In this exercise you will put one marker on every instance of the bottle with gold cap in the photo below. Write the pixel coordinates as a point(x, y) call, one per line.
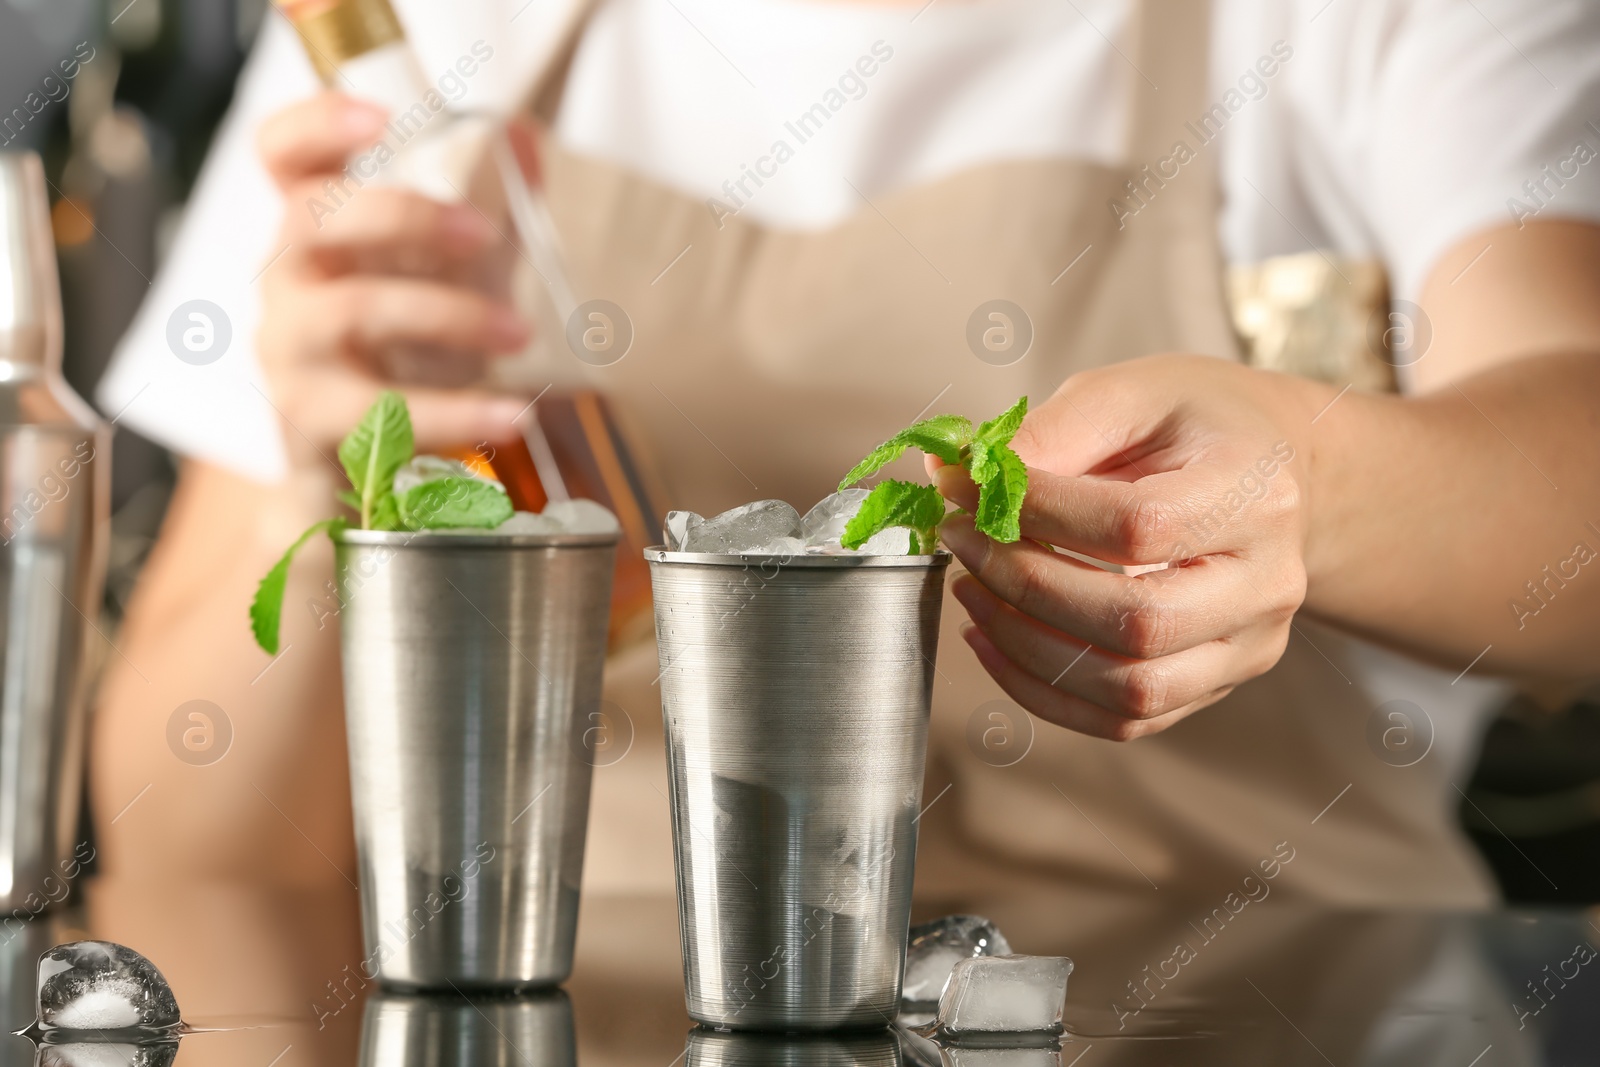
point(359, 47)
point(573, 443)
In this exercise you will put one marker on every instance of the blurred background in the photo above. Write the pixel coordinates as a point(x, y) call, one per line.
point(123, 140)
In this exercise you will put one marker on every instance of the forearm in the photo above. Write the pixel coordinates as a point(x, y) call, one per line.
point(1467, 519)
point(277, 797)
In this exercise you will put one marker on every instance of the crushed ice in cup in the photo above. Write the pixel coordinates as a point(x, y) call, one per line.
point(1005, 995)
point(676, 532)
point(773, 528)
point(580, 517)
point(421, 469)
point(934, 948)
point(747, 528)
point(100, 985)
point(824, 524)
point(522, 522)
point(895, 541)
point(560, 517)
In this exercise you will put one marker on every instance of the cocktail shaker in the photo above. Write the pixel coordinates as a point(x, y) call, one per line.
point(472, 664)
point(54, 527)
point(795, 695)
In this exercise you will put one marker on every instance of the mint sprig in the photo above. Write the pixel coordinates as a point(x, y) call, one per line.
point(1000, 474)
point(371, 454)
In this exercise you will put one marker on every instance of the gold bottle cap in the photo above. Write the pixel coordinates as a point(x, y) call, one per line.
point(336, 31)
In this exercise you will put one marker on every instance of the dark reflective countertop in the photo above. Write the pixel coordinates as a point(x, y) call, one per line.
point(1187, 982)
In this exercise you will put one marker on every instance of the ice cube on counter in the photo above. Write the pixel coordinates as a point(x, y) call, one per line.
point(989, 995)
point(99, 986)
point(823, 526)
point(106, 1054)
point(934, 948)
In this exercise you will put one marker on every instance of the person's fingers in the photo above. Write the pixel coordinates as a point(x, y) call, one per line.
point(1065, 709)
point(363, 315)
point(322, 403)
point(1144, 616)
point(1166, 517)
point(316, 136)
point(1133, 688)
point(389, 225)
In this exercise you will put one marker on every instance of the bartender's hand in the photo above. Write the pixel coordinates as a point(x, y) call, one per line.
point(1184, 461)
point(362, 272)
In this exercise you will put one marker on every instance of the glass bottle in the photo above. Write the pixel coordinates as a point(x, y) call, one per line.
point(569, 444)
point(54, 531)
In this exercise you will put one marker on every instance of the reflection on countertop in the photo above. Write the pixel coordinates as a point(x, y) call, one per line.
point(1179, 982)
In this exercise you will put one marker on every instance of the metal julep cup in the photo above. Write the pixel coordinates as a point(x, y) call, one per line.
point(472, 664)
point(795, 695)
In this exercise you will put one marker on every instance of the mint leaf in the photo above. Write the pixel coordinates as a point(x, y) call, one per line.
point(378, 446)
point(943, 436)
point(919, 508)
point(266, 610)
point(1003, 483)
point(1001, 429)
point(447, 502)
point(385, 514)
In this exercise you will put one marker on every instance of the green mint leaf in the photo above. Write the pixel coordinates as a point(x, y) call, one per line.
point(1000, 491)
point(266, 610)
point(943, 436)
point(385, 514)
point(379, 445)
point(453, 502)
point(1001, 429)
point(349, 498)
point(919, 508)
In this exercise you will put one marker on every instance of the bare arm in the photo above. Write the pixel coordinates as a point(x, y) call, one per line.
point(1467, 517)
point(1417, 521)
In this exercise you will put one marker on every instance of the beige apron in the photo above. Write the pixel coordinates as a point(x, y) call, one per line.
point(766, 362)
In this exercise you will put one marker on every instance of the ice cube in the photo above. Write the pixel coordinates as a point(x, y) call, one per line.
point(1005, 995)
point(581, 517)
point(934, 948)
point(100, 985)
point(895, 541)
point(824, 524)
point(743, 529)
point(523, 522)
point(107, 1054)
point(422, 469)
point(779, 546)
point(676, 532)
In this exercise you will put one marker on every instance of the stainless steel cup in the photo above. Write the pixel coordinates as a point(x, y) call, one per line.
point(471, 665)
point(54, 530)
point(712, 1048)
point(795, 696)
point(411, 1030)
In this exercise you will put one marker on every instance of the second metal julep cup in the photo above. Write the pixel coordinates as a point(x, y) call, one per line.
point(472, 667)
point(795, 695)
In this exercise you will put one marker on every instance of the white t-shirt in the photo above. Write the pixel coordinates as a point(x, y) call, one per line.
point(1394, 129)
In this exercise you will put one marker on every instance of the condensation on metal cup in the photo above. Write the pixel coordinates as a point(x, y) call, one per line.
point(471, 664)
point(421, 1030)
point(795, 695)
